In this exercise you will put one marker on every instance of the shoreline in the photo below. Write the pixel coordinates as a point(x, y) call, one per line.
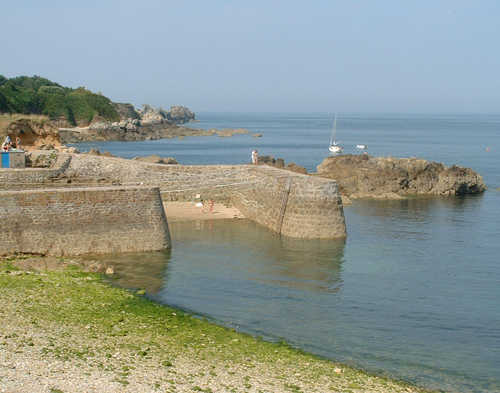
point(68, 331)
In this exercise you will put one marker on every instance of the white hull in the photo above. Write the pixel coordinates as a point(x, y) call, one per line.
point(336, 149)
point(361, 147)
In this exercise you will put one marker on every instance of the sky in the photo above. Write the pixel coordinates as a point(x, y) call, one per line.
point(384, 56)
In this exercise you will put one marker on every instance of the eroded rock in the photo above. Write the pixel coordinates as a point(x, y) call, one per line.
point(361, 176)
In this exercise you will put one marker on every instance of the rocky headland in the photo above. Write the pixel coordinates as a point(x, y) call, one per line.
point(146, 124)
point(361, 176)
point(42, 133)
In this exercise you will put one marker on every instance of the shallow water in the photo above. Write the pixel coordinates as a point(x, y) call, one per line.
point(414, 290)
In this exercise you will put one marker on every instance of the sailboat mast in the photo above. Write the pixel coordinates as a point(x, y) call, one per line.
point(334, 132)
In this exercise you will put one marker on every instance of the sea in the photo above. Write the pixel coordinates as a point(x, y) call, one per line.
point(412, 293)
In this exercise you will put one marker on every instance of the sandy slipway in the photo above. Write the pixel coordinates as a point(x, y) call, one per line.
point(67, 331)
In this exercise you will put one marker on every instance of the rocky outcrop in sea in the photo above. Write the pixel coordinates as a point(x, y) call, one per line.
point(360, 176)
point(147, 124)
point(177, 115)
point(280, 163)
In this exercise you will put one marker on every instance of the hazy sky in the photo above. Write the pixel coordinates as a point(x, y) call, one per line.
point(408, 56)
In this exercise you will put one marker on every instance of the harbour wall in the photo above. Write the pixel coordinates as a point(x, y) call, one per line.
point(73, 221)
point(289, 203)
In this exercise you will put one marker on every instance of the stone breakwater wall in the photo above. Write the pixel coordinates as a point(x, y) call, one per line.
point(291, 204)
point(89, 220)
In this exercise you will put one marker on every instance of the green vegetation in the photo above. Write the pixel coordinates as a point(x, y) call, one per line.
point(40, 96)
point(74, 317)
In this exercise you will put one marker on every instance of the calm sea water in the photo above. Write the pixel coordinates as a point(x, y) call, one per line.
point(412, 293)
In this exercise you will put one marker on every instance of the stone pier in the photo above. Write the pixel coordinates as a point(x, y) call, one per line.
point(292, 204)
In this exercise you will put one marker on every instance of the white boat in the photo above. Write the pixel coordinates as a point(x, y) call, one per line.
point(361, 147)
point(334, 148)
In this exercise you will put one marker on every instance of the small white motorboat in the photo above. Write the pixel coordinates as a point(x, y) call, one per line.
point(361, 147)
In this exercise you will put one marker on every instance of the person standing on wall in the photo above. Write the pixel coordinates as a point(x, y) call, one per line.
point(255, 157)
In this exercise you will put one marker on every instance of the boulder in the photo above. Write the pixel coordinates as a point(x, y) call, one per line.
point(271, 161)
point(150, 115)
point(126, 111)
point(388, 177)
point(296, 168)
point(180, 115)
point(170, 161)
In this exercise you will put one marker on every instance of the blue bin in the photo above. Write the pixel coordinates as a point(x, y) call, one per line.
point(5, 160)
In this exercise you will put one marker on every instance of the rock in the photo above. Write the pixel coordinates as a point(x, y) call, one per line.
point(94, 152)
point(150, 115)
point(170, 161)
point(180, 115)
point(131, 127)
point(110, 270)
point(345, 200)
point(150, 159)
point(225, 133)
point(360, 176)
point(296, 168)
point(269, 160)
point(238, 130)
point(126, 111)
point(156, 160)
point(257, 135)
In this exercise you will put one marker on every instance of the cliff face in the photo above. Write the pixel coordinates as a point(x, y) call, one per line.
point(34, 133)
point(361, 176)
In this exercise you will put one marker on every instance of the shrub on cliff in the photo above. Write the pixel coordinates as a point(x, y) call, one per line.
point(37, 95)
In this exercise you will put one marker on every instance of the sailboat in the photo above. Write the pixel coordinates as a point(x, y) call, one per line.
point(333, 143)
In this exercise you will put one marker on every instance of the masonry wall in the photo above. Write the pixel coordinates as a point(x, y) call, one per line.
point(294, 205)
point(15, 159)
point(313, 209)
point(83, 221)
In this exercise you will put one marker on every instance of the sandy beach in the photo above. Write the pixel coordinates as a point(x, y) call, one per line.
point(183, 211)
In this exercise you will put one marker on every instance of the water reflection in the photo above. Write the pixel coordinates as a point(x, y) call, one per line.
point(147, 270)
point(417, 209)
point(242, 274)
point(259, 254)
point(303, 264)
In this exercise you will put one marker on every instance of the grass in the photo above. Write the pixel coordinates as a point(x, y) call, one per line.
point(81, 320)
point(8, 119)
